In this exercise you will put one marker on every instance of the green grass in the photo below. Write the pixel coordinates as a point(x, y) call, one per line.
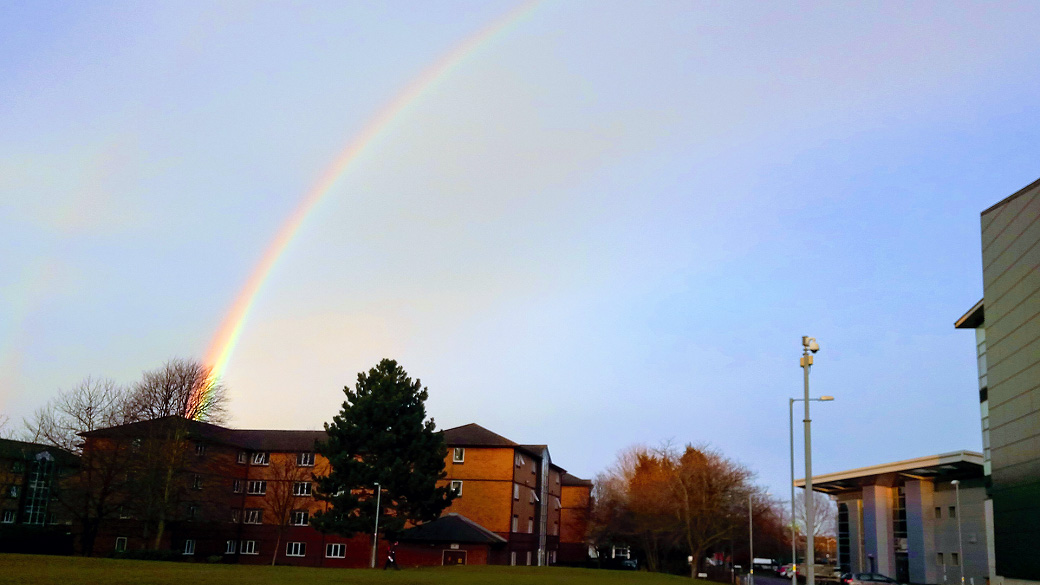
point(48, 570)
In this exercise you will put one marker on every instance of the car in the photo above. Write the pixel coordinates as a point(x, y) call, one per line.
point(787, 570)
point(867, 579)
point(630, 564)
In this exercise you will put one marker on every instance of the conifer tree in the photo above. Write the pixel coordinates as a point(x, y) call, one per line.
point(382, 436)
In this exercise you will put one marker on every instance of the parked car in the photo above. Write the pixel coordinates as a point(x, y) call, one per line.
point(867, 579)
point(784, 571)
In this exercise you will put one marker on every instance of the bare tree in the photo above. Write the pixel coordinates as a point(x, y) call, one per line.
point(98, 491)
point(179, 391)
point(183, 388)
point(5, 431)
point(825, 516)
point(281, 500)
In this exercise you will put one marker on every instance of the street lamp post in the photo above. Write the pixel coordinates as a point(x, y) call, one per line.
point(790, 427)
point(960, 543)
point(375, 534)
point(809, 347)
point(751, 540)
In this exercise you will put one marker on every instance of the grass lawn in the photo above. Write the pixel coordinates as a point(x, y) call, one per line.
point(49, 570)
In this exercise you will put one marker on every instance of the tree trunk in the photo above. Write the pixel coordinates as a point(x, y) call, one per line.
point(277, 547)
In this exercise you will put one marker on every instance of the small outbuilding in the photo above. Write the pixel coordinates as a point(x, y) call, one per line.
point(451, 539)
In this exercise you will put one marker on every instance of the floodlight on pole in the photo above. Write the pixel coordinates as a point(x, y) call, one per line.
point(809, 347)
point(794, 529)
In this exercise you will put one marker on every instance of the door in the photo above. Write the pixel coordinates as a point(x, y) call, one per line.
point(454, 557)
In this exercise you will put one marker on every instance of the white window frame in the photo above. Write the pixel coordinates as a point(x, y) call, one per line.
point(296, 549)
point(530, 525)
point(9, 516)
point(256, 487)
point(516, 491)
point(301, 488)
point(516, 523)
point(528, 558)
point(512, 558)
point(243, 457)
point(335, 547)
point(120, 540)
point(519, 460)
point(236, 486)
point(458, 455)
point(13, 491)
point(249, 547)
point(236, 515)
point(193, 512)
point(200, 448)
point(305, 459)
point(196, 482)
point(189, 547)
point(296, 515)
point(456, 486)
point(230, 547)
point(261, 458)
point(254, 516)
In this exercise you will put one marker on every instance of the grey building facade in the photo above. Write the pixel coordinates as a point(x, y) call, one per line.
point(902, 519)
point(1007, 331)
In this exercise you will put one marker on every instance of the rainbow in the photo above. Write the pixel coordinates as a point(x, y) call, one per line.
point(226, 338)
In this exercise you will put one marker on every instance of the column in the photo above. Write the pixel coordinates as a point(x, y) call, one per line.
point(877, 529)
point(920, 531)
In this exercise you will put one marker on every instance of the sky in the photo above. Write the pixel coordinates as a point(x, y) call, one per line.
point(604, 224)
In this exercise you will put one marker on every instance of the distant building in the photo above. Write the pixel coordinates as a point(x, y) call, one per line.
point(1007, 333)
point(31, 517)
point(901, 519)
point(229, 483)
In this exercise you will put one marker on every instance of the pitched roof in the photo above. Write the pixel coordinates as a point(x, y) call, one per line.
point(474, 435)
point(571, 480)
point(253, 439)
point(11, 449)
point(451, 528)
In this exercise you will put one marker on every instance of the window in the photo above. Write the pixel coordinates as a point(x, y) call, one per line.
point(295, 549)
point(534, 497)
point(254, 516)
point(938, 514)
point(243, 457)
point(193, 512)
point(135, 445)
point(516, 523)
point(301, 488)
point(258, 488)
point(556, 528)
point(456, 486)
point(18, 466)
point(261, 458)
point(200, 449)
point(8, 517)
point(953, 513)
point(299, 517)
point(512, 558)
point(955, 560)
point(458, 455)
point(519, 460)
point(236, 515)
point(335, 551)
point(305, 459)
point(13, 491)
point(120, 544)
point(196, 482)
point(229, 547)
point(249, 547)
point(528, 558)
point(530, 525)
point(189, 547)
point(516, 491)
point(938, 556)
point(236, 486)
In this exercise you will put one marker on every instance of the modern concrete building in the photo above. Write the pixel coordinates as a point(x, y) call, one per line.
point(902, 519)
point(1007, 335)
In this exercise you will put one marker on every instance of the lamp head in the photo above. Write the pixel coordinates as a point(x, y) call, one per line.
point(955, 482)
point(826, 398)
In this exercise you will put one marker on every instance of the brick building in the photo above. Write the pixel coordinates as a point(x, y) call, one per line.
point(246, 496)
point(31, 518)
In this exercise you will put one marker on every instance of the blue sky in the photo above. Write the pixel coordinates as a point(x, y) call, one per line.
point(610, 224)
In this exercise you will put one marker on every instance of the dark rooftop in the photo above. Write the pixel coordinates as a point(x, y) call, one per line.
point(451, 528)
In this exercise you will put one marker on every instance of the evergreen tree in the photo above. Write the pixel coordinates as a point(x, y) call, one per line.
point(382, 436)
